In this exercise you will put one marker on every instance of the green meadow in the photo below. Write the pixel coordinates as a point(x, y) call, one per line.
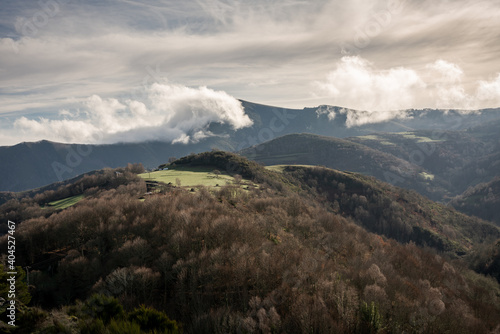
point(66, 202)
point(419, 139)
point(190, 176)
point(280, 168)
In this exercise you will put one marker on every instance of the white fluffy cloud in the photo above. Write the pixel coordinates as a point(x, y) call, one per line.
point(489, 91)
point(171, 112)
point(385, 94)
point(361, 117)
point(446, 89)
point(356, 84)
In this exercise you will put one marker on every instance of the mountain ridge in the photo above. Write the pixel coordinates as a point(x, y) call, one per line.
point(31, 165)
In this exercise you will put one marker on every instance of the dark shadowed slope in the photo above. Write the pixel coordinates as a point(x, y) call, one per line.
point(343, 154)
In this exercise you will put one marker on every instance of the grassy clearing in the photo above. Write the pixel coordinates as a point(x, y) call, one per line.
point(427, 176)
point(283, 158)
point(410, 135)
point(381, 140)
point(280, 168)
point(369, 137)
point(66, 202)
point(190, 177)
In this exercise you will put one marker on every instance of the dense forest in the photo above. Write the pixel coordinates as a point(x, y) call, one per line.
point(401, 214)
point(307, 250)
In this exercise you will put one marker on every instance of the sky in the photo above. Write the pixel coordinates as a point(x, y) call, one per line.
point(108, 71)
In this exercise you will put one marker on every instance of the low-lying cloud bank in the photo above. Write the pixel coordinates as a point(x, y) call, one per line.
point(382, 95)
point(170, 112)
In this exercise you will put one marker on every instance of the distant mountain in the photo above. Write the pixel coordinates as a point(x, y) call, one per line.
point(30, 165)
point(343, 155)
point(272, 122)
point(454, 160)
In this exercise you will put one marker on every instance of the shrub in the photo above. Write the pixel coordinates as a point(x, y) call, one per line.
point(93, 326)
point(124, 327)
point(370, 319)
point(103, 307)
point(30, 318)
point(150, 319)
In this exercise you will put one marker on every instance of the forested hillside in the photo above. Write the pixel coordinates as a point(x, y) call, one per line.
point(397, 213)
point(456, 159)
point(482, 201)
point(459, 167)
point(343, 154)
point(293, 254)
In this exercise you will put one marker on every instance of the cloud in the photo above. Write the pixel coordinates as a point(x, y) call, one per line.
point(450, 72)
point(355, 83)
point(56, 53)
point(381, 95)
point(104, 47)
point(329, 111)
point(489, 91)
point(447, 89)
point(361, 117)
point(171, 112)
